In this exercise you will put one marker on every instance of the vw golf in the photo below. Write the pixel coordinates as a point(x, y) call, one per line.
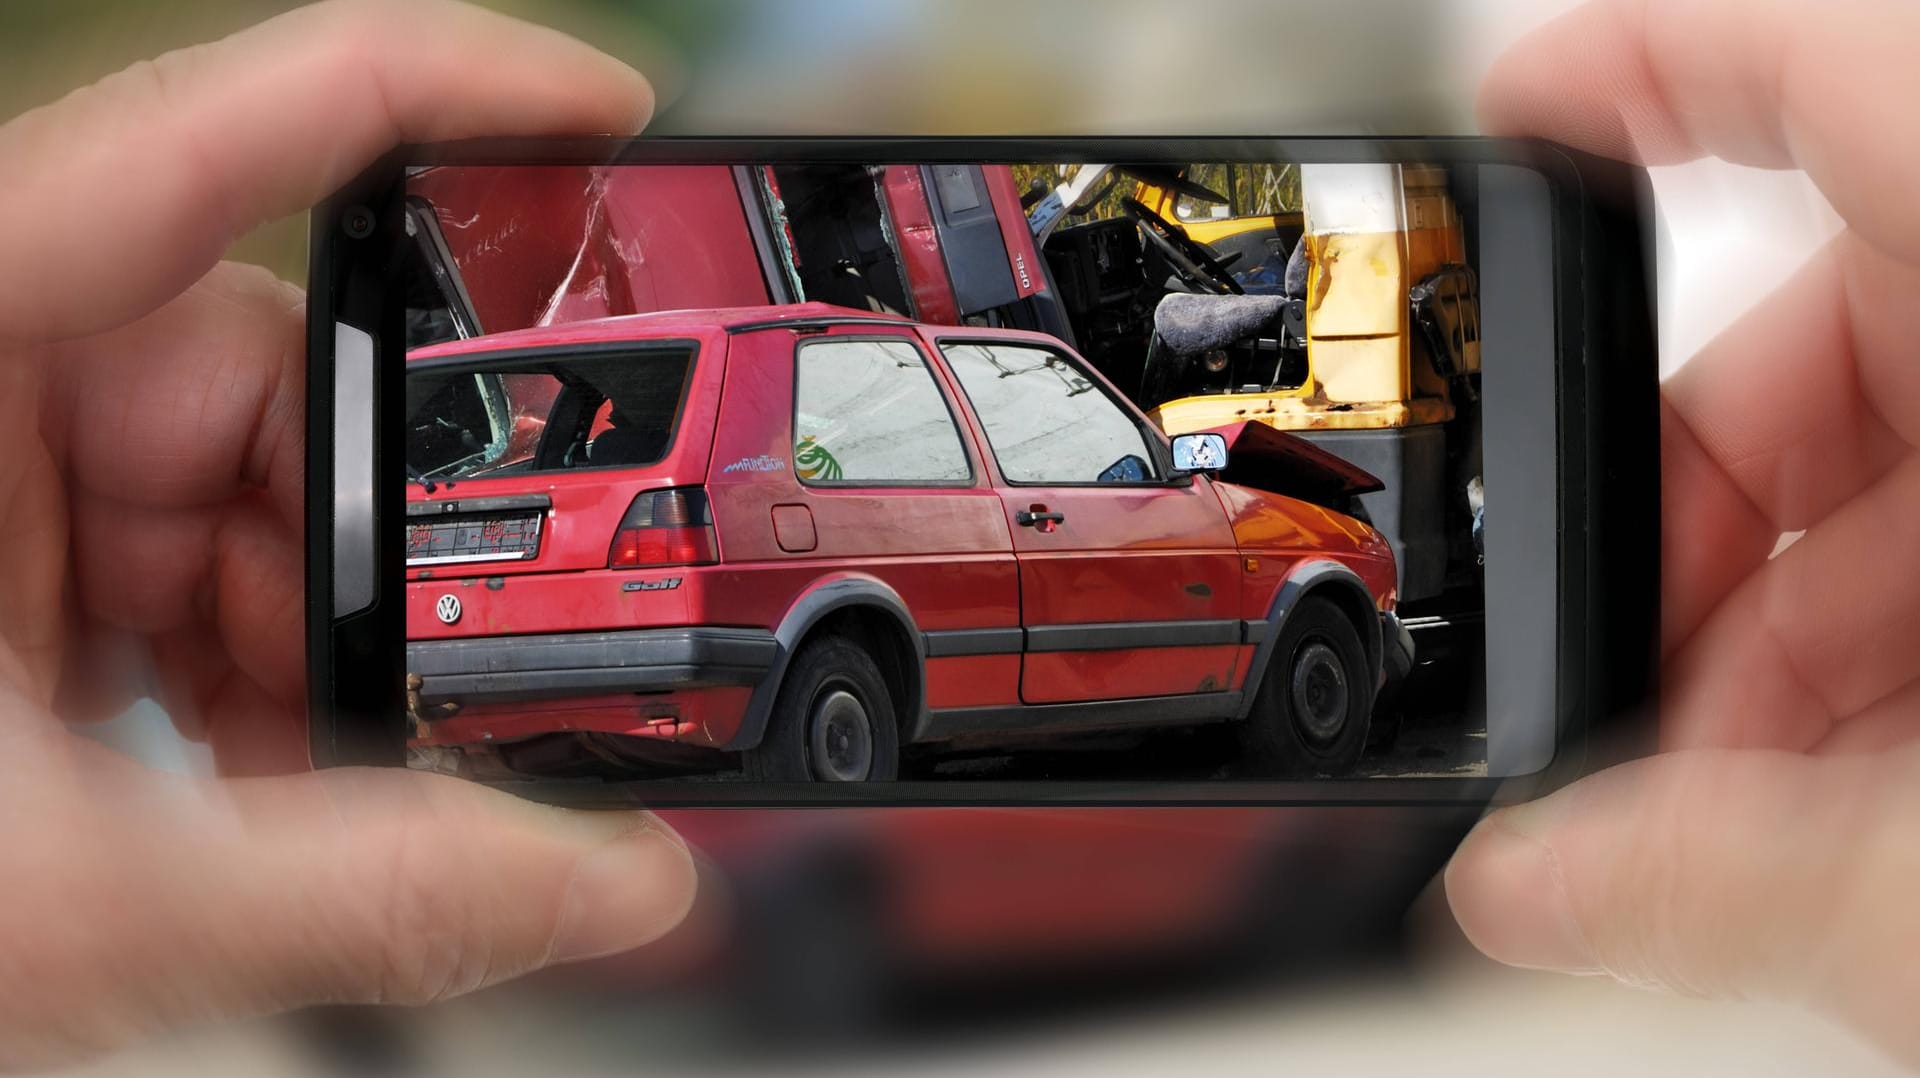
point(804, 540)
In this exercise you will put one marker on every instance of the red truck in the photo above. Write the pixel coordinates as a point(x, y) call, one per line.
point(503, 248)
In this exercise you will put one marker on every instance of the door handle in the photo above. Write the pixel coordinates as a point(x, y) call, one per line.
point(1039, 517)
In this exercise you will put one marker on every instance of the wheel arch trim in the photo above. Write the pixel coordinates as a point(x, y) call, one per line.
point(1318, 576)
point(825, 598)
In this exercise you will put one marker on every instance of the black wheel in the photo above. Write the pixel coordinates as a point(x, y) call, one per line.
point(1316, 702)
point(832, 722)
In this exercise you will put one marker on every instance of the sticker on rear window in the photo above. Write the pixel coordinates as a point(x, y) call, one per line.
point(812, 461)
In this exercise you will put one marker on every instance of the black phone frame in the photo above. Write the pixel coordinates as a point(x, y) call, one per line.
point(1607, 461)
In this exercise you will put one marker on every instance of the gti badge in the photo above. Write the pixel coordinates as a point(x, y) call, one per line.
point(448, 608)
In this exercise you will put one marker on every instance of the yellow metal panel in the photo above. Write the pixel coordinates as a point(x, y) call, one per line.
point(1358, 287)
point(1292, 413)
point(1357, 370)
point(1212, 230)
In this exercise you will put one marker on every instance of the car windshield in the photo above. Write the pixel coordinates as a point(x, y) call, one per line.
point(546, 412)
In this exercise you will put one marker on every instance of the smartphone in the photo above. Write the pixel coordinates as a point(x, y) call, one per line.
point(1193, 471)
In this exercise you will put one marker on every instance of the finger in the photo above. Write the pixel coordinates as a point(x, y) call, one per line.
point(1724, 874)
point(1784, 417)
point(168, 430)
point(1889, 723)
point(253, 732)
point(1819, 635)
point(123, 193)
point(1759, 82)
point(210, 698)
point(344, 887)
point(191, 404)
point(233, 574)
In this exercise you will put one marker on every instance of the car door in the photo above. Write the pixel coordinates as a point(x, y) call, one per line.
point(1129, 582)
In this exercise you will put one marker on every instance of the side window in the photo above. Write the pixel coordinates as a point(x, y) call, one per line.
point(456, 422)
point(1046, 420)
point(1251, 191)
point(870, 412)
point(1216, 178)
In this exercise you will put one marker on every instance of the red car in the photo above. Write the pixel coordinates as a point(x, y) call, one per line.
point(814, 537)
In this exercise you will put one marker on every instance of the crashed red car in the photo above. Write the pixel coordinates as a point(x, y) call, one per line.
point(816, 537)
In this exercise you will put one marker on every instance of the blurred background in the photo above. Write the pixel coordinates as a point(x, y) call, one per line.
point(1070, 942)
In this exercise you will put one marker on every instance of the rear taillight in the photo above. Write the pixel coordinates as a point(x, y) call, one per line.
point(665, 527)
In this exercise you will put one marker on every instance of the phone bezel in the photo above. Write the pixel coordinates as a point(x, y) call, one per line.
point(1606, 454)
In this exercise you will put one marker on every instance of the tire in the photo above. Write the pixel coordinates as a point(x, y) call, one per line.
point(1315, 703)
point(833, 720)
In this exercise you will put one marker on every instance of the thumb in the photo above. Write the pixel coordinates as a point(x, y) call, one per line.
point(1738, 874)
point(401, 887)
point(185, 902)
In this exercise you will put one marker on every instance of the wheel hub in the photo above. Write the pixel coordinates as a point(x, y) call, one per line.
point(1318, 691)
point(839, 738)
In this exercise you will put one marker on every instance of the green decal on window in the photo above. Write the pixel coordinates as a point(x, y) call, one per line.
point(812, 461)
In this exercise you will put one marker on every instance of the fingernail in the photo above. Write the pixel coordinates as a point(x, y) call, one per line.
point(1510, 896)
point(628, 891)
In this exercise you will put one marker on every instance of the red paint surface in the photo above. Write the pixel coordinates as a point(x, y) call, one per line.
point(1022, 258)
point(544, 244)
point(918, 241)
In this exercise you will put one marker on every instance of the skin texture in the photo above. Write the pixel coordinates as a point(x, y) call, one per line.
point(1773, 850)
point(151, 444)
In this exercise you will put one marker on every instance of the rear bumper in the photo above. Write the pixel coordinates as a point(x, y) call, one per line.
point(503, 669)
point(1396, 652)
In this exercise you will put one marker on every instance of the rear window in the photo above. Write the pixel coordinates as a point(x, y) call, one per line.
point(545, 412)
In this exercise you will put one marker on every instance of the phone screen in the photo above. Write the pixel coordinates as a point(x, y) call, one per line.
point(1008, 473)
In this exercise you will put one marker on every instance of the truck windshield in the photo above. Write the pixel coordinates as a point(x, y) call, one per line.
point(492, 417)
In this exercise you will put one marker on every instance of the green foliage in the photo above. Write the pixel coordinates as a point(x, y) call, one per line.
point(1251, 189)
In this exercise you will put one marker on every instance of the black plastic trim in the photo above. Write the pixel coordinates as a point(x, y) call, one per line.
point(901, 324)
point(801, 617)
point(1400, 653)
point(500, 669)
point(952, 643)
point(1125, 635)
point(504, 503)
point(948, 724)
point(1310, 577)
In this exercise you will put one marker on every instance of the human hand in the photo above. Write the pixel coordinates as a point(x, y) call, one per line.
point(1773, 850)
point(151, 456)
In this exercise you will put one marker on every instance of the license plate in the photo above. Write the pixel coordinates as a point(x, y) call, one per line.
point(511, 537)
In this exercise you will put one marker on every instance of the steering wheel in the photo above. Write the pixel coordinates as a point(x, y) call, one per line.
point(1191, 261)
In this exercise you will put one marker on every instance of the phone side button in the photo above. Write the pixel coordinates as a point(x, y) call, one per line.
point(354, 557)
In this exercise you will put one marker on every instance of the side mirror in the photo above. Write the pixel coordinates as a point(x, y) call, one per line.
point(1199, 453)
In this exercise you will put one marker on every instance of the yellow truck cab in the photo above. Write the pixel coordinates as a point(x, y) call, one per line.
point(1376, 355)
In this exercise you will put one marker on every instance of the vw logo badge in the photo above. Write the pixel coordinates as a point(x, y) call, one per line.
point(448, 608)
